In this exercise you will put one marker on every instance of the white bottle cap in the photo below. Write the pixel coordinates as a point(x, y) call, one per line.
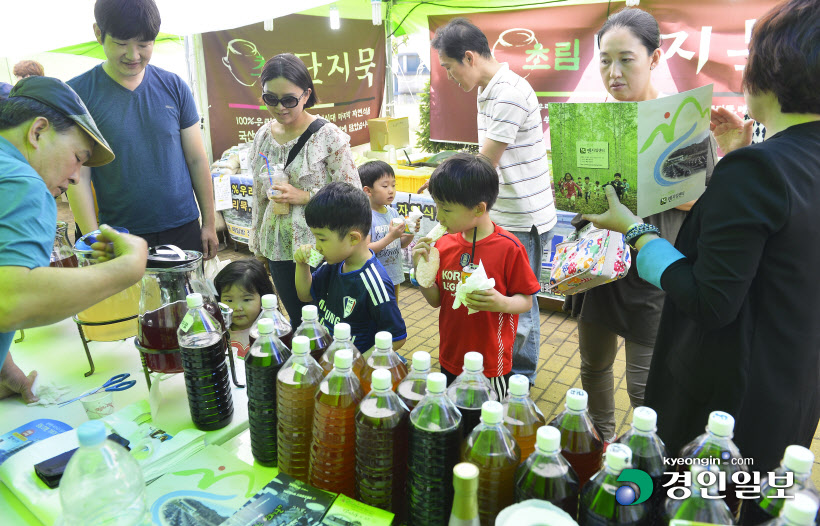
point(800, 510)
point(465, 471)
point(194, 300)
point(721, 423)
point(618, 457)
point(576, 399)
point(265, 326)
point(798, 459)
point(341, 331)
point(548, 439)
point(645, 419)
point(492, 412)
point(384, 340)
point(473, 361)
point(301, 345)
point(343, 359)
point(421, 360)
point(436, 382)
point(381, 380)
point(270, 301)
point(310, 312)
point(519, 385)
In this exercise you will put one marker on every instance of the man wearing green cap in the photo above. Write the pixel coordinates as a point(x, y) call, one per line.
point(46, 135)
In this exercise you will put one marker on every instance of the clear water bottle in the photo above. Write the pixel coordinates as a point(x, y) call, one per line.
point(465, 498)
point(281, 325)
point(767, 506)
point(381, 446)
point(314, 330)
point(599, 506)
point(800, 511)
point(342, 340)
point(414, 386)
point(580, 443)
point(207, 383)
point(470, 390)
point(521, 416)
point(716, 443)
point(492, 448)
point(648, 452)
point(546, 474)
point(382, 356)
point(703, 503)
point(102, 483)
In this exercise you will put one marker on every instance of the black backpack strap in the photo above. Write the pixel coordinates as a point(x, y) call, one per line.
point(303, 139)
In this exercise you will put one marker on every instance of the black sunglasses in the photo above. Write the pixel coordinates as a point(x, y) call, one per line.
point(288, 101)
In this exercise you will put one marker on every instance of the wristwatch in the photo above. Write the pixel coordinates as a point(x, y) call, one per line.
point(637, 230)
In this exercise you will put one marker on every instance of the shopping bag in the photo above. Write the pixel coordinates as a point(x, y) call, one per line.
point(597, 257)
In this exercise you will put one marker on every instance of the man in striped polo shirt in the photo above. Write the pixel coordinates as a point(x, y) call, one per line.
point(510, 134)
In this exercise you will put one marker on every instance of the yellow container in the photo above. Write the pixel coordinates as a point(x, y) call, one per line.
point(121, 305)
point(409, 178)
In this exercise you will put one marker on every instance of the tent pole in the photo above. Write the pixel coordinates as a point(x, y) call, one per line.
point(195, 58)
point(389, 103)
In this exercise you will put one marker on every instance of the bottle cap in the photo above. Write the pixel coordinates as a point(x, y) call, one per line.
point(381, 380)
point(548, 439)
point(341, 331)
point(576, 399)
point(465, 477)
point(194, 300)
point(421, 361)
point(270, 301)
point(644, 419)
point(798, 459)
point(474, 361)
point(436, 382)
point(301, 345)
point(492, 412)
point(519, 385)
point(93, 432)
point(342, 359)
point(309, 312)
point(384, 340)
point(800, 510)
point(265, 326)
point(618, 457)
point(721, 423)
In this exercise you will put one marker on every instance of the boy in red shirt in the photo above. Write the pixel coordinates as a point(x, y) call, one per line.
point(465, 187)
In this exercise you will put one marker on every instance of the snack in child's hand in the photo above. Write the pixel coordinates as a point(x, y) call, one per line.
point(315, 258)
point(436, 233)
point(396, 221)
point(426, 270)
point(414, 215)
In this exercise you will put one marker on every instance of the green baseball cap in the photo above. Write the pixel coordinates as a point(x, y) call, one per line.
point(59, 96)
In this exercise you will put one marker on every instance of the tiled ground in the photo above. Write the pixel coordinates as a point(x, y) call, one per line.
point(559, 361)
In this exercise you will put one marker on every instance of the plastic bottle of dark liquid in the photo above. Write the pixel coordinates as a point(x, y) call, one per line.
point(263, 362)
point(470, 390)
point(648, 452)
point(598, 505)
point(317, 334)
point(521, 416)
point(270, 311)
point(716, 443)
point(382, 356)
point(547, 475)
point(206, 369)
point(492, 448)
point(799, 511)
point(342, 340)
point(580, 443)
point(296, 386)
point(797, 460)
point(433, 451)
point(381, 446)
point(703, 503)
point(414, 386)
point(333, 448)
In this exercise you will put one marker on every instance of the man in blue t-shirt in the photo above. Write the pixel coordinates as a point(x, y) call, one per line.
point(149, 117)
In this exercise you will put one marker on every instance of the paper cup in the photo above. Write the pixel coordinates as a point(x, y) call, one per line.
point(467, 271)
point(315, 258)
point(99, 405)
point(396, 221)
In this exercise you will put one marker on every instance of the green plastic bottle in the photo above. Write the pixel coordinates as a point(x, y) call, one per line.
point(800, 511)
point(598, 505)
point(697, 507)
point(797, 460)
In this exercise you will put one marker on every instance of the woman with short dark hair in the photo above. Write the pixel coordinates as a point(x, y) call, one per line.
point(287, 90)
point(739, 329)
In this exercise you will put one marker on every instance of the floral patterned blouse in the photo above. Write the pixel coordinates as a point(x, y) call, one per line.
point(325, 158)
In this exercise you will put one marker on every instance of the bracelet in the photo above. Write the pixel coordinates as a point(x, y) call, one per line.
point(637, 230)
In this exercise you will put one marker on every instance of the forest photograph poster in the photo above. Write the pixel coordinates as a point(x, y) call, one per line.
point(655, 154)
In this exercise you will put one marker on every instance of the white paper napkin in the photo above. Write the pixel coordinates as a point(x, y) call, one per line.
point(478, 280)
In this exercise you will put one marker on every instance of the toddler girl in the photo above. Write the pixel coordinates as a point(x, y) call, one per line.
point(240, 286)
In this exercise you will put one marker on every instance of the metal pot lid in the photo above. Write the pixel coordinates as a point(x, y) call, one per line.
point(84, 243)
point(169, 256)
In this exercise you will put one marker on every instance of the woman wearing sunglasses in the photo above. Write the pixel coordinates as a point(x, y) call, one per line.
point(287, 91)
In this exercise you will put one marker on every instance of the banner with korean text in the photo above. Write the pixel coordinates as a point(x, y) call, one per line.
point(555, 49)
point(347, 67)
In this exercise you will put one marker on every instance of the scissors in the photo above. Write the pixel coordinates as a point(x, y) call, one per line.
point(115, 383)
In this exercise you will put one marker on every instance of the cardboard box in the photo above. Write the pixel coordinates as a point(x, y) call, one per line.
point(388, 130)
